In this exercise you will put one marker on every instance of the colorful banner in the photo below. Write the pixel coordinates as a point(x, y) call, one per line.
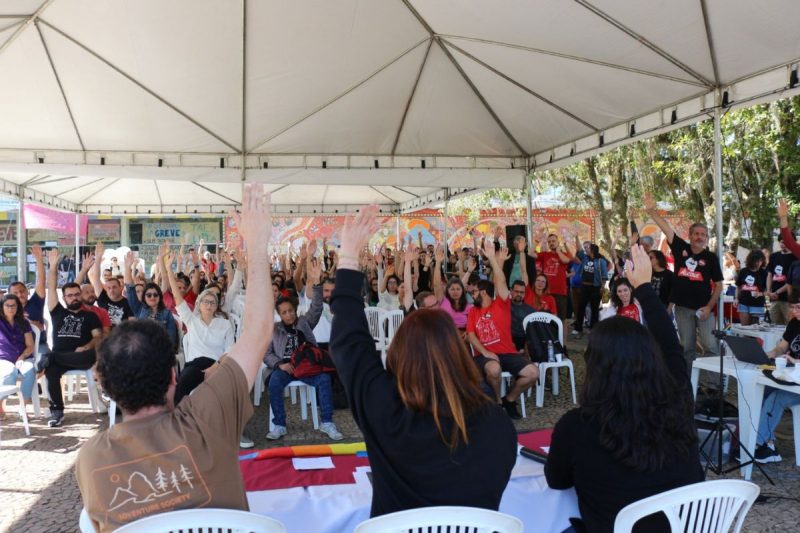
point(180, 232)
point(107, 231)
point(38, 217)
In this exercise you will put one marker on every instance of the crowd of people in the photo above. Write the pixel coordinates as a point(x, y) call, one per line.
point(436, 402)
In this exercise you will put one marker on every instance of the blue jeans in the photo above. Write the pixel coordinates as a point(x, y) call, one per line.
point(775, 402)
point(278, 380)
point(25, 373)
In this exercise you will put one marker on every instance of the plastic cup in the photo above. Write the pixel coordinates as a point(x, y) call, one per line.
point(558, 357)
point(780, 363)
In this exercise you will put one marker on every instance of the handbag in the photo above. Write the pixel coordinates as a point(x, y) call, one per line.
point(311, 360)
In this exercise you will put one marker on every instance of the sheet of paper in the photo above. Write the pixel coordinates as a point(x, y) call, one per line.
point(545, 449)
point(363, 479)
point(312, 463)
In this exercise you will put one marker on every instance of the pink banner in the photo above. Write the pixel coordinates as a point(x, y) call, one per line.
point(39, 217)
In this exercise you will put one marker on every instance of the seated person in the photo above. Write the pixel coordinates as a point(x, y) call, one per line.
point(209, 334)
point(432, 437)
point(16, 348)
point(613, 456)
point(489, 333)
point(776, 401)
point(540, 298)
point(109, 293)
point(622, 302)
point(164, 457)
point(290, 333)
point(519, 310)
point(75, 334)
point(150, 304)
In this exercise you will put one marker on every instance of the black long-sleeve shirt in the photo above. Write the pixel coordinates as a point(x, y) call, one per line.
point(412, 467)
point(604, 486)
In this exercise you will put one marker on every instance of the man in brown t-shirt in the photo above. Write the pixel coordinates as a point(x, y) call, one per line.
point(165, 458)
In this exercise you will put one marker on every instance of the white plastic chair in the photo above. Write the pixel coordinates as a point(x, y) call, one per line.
point(505, 383)
point(37, 407)
point(393, 320)
point(707, 507)
point(469, 519)
point(544, 367)
point(258, 386)
point(6, 391)
point(236, 322)
point(73, 382)
point(308, 395)
point(375, 321)
point(85, 523)
point(228, 520)
point(237, 307)
point(796, 426)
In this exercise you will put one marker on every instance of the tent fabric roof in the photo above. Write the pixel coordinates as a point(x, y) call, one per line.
point(108, 105)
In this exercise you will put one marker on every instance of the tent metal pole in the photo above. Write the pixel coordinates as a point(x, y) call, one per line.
point(445, 216)
point(77, 243)
point(528, 207)
point(22, 256)
point(718, 192)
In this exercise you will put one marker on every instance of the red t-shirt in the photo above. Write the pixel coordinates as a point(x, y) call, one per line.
point(547, 304)
point(102, 315)
point(169, 300)
point(630, 311)
point(556, 272)
point(492, 326)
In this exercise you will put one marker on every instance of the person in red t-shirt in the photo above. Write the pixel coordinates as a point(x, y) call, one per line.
point(539, 297)
point(489, 333)
point(553, 264)
point(623, 302)
point(88, 299)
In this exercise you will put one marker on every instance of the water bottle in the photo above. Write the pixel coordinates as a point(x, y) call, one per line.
point(551, 356)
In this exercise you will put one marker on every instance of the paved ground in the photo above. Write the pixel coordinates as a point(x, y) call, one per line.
point(39, 491)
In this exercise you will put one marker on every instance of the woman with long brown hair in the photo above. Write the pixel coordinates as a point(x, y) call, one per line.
point(433, 437)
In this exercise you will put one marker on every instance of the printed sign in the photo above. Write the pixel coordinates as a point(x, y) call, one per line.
point(180, 232)
point(104, 231)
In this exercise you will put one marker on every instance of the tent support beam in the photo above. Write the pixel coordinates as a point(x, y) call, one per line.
point(405, 191)
point(411, 97)
point(236, 202)
point(524, 88)
point(711, 51)
point(140, 85)
point(382, 194)
point(43, 181)
point(569, 57)
point(480, 97)
point(528, 205)
point(446, 217)
point(24, 24)
point(158, 193)
point(718, 192)
point(94, 193)
point(78, 245)
point(60, 86)
point(12, 25)
point(642, 40)
point(244, 90)
point(22, 256)
point(337, 97)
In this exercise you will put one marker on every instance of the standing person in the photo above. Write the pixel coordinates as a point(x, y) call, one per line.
point(614, 456)
point(165, 457)
point(553, 264)
point(777, 287)
point(210, 335)
point(698, 285)
point(489, 333)
point(751, 282)
point(76, 332)
point(425, 412)
point(593, 272)
point(16, 348)
point(662, 279)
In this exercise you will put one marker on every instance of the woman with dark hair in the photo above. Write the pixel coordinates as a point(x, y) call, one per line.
point(432, 436)
point(16, 346)
point(622, 302)
point(150, 304)
point(633, 435)
point(452, 299)
point(389, 297)
point(662, 277)
point(751, 282)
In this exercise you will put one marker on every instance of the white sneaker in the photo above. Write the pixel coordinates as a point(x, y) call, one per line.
point(329, 428)
point(246, 443)
point(276, 432)
point(574, 332)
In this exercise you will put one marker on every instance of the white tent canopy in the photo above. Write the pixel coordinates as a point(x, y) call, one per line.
point(115, 106)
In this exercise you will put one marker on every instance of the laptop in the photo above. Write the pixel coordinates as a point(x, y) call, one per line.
point(748, 350)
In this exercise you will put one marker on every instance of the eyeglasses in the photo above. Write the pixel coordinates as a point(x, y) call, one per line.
point(72, 295)
point(10, 306)
point(151, 295)
point(208, 302)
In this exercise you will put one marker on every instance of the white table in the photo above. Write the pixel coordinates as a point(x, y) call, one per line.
point(339, 508)
point(770, 336)
point(750, 397)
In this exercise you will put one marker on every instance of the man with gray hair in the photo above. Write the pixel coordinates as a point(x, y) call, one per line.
point(696, 267)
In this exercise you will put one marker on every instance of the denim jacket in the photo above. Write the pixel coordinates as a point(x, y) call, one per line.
point(600, 271)
point(163, 317)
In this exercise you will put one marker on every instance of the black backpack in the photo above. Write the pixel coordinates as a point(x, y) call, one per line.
point(537, 335)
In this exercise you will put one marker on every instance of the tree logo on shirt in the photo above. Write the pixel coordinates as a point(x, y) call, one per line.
point(152, 484)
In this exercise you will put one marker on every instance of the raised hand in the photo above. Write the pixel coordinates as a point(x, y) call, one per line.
point(315, 270)
point(642, 271)
point(501, 255)
point(52, 257)
point(356, 233)
point(88, 260)
point(130, 259)
point(649, 203)
point(783, 209)
point(439, 254)
point(36, 252)
point(99, 249)
point(488, 248)
point(254, 224)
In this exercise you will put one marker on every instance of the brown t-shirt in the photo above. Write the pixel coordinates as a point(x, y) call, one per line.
point(183, 459)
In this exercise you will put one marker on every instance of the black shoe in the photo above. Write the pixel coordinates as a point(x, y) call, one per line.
point(511, 409)
point(56, 418)
point(765, 454)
